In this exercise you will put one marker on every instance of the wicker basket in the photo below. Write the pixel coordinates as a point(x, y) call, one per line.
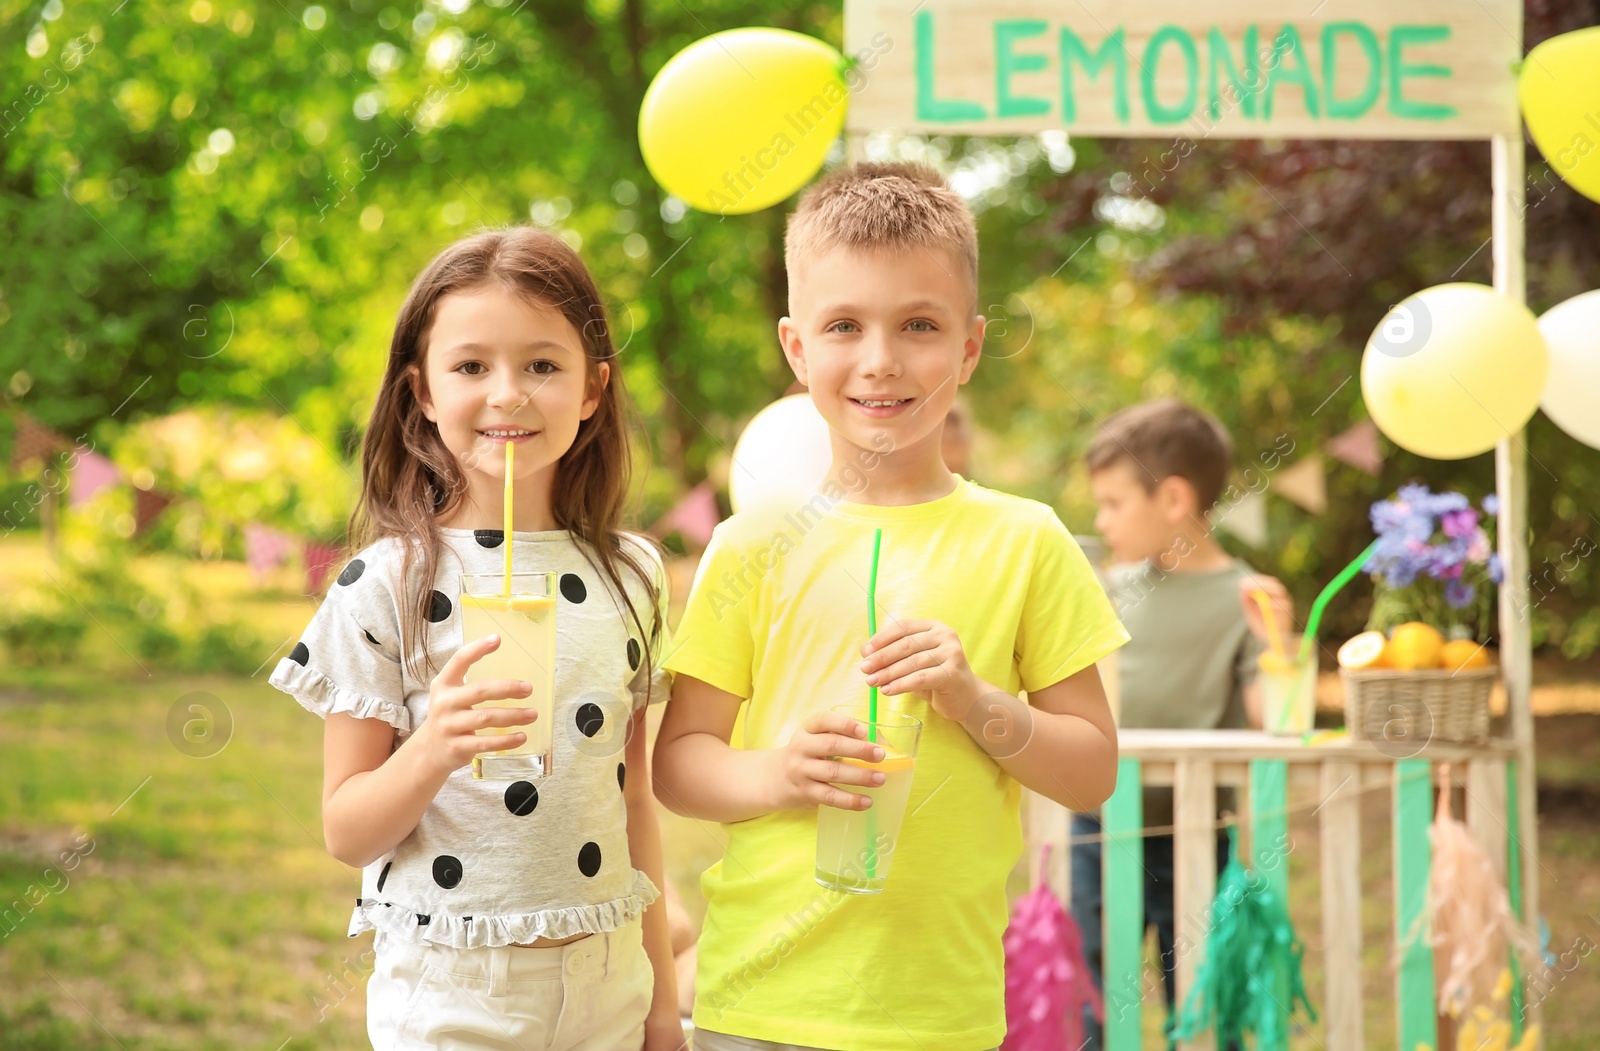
point(1426, 705)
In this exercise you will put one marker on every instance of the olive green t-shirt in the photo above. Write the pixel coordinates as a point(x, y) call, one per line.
point(1189, 658)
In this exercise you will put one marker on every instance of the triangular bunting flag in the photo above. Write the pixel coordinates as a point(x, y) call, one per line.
point(1305, 484)
point(694, 516)
point(92, 474)
point(1358, 447)
point(1246, 519)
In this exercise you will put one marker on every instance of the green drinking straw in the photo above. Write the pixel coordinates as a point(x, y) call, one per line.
point(1335, 586)
point(1314, 621)
point(872, 629)
point(872, 697)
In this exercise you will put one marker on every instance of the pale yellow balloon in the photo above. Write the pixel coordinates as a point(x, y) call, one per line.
point(1453, 370)
point(1560, 92)
point(740, 120)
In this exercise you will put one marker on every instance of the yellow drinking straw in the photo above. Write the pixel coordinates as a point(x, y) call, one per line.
point(1275, 640)
point(510, 448)
point(1265, 602)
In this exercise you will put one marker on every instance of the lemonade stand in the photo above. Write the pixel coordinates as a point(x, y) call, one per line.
point(1175, 74)
point(1455, 370)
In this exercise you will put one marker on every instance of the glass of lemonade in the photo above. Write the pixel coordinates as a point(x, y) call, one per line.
point(1288, 693)
point(525, 620)
point(854, 847)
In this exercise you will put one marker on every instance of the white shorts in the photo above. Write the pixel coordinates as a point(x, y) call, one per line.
point(589, 995)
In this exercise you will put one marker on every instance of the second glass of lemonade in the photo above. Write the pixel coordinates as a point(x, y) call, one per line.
point(1288, 694)
point(854, 847)
point(525, 620)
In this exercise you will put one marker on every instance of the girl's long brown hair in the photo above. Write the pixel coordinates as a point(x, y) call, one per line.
point(410, 480)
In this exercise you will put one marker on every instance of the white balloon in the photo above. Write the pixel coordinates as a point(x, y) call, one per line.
point(1572, 393)
point(782, 457)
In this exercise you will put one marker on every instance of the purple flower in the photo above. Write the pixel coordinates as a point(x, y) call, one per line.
point(1497, 569)
point(1491, 505)
point(1389, 516)
point(1459, 524)
point(1415, 495)
point(1458, 594)
point(1443, 561)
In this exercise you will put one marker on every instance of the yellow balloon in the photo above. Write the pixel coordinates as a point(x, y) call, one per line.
point(740, 120)
point(1452, 370)
point(1560, 91)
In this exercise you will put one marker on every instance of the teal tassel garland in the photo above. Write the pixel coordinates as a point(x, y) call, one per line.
point(1250, 979)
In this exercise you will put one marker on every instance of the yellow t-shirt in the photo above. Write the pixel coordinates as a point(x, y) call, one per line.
point(777, 615)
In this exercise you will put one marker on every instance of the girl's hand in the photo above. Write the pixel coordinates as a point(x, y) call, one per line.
point(664, 1033)
point(925, 655)
point(808, 767)
point(449, 734)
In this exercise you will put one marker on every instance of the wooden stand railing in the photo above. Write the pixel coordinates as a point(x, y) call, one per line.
point(1337, 774)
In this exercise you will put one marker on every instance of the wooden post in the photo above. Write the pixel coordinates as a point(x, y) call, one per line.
point(1340, 830)
point(1194, 853)
point(1486, 810)
point(1508, 170)
point(1122, 892)
point(1269, 858)
point(1413, 859)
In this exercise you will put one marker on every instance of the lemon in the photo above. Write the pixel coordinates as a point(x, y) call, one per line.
point(1366, 650)
point(1459, 654)
point(1414, 646)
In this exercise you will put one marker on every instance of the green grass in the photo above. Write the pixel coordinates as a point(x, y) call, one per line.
point(203, 911)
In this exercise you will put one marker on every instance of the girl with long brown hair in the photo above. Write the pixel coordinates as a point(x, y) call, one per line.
point(507, 913)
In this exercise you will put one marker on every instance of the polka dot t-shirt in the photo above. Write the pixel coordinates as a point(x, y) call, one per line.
point(496, 862)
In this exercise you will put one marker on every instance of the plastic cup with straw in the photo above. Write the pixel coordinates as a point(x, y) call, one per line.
point(1280, 656)
point(1319, 606)
point(521, 609)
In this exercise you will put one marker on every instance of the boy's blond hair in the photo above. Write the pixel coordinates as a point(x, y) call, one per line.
point(1165, 438)
point(897, 206)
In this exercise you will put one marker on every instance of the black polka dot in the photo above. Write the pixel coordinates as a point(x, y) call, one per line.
point(358, 901)
point(489, 537)
point(590, 718)
point(300, 654)
point(589, 859)
point(634, 653)
point(572, 588)
point(439, 607)
point(423, 919)
point(384, 875)
point(522, 797)
point(622, 775)
point(352, 572)
point(446, 871)
point(370, 637)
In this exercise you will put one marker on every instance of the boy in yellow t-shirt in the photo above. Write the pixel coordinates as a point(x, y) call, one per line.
point(980, 596)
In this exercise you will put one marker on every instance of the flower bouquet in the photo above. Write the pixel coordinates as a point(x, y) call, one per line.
point(1434, 562)
point(1419, 671)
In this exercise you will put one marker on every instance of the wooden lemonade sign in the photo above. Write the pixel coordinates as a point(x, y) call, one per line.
point(1374, 69)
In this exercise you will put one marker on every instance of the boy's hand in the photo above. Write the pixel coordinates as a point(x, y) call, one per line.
point(923, 655)
point(809, 768)
point(1278, 596)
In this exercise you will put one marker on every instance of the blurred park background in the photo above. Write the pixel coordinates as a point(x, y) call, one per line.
point(211, 211)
